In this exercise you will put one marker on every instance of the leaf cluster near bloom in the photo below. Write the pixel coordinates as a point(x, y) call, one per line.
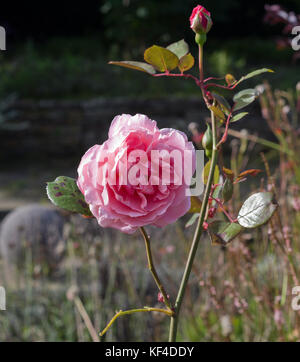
point(64, 193)
point(162, 59)
point(254, 212)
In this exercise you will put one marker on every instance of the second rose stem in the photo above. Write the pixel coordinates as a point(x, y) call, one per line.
point(196, 238)
point(153, 270)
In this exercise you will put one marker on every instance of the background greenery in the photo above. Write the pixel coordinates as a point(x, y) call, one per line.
point(61, 49)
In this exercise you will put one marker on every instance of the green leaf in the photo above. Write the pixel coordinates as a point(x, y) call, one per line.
point(228, 173)
point(141, 66)
point(244, 98)
point(195, 205)
point(179, 48)
point(217, 112)
point(227, 190)
point(222, 102)
point(205, 173)
point(186, 62)
point(257, 210)
point(192, 220)
point(161, 58)
point(64, 193)
point(217, 192)
point(255, 73)
point(222, 232)
point(252, 172)
point(238, 116)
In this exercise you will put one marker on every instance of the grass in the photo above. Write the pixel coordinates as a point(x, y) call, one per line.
point(233, 294)
point(239, 293)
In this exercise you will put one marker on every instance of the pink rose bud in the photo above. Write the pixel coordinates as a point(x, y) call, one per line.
point(211, 212)
point(205, 225)
point(200, 20)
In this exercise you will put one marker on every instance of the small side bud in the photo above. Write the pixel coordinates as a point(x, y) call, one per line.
point(212, 212)
point(205, 225)
point(160, 297)
point(207, 140)
point(230, 79)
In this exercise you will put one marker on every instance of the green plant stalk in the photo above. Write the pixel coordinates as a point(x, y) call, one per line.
point(132, 311)
point(196, 238)
point(169, 311)
point(153, 270)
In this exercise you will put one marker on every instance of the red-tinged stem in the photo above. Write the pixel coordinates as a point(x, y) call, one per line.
point(212, 78)
point(223, 209)
point(201, 76)
point(201, 63)
point(225, 135)
point(221, 86)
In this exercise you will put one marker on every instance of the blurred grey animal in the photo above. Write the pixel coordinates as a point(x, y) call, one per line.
point(35, 231)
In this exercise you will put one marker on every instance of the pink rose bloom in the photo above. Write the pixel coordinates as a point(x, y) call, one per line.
point(127, 200)
point(200, 20)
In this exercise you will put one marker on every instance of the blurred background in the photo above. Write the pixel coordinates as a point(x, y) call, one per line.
point(64, 276)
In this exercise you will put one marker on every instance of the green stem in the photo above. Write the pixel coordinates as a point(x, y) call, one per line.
point(196, 238)
point(131, 311)
point(153, 270)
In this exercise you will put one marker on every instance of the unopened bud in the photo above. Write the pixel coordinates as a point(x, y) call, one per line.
point(200, 20)
point(212, 212)
point(160, 297)
point(207, 140)
point(205, 225)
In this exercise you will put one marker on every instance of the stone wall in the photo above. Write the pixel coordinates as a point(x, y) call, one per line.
point(70, 127)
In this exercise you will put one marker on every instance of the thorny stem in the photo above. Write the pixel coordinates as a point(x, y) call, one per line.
point(196, 238)
point(153, 270)
point(131, 311)
point(223, 210)
point(221, 86)
point(212, 78)
point(225, 135)
point(201, 83)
